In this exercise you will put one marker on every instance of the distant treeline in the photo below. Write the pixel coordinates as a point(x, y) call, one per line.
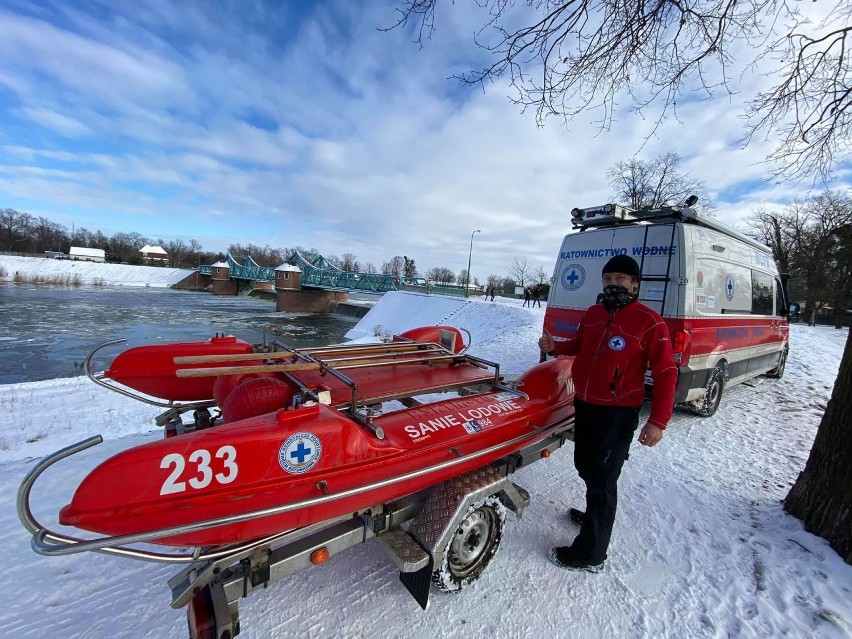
point(26, 234)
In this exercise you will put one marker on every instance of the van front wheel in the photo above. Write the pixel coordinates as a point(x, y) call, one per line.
point(706, 406)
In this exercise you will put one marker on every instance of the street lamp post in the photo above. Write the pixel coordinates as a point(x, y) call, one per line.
point(469, 257)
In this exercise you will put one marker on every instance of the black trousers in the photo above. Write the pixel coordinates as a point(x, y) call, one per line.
point(602, 437)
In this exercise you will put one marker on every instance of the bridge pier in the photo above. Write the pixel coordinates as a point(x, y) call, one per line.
point(222, 282)
point(308, 301)
point(290, 296)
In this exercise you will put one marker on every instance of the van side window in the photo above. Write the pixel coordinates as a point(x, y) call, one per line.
point(761, 293)
point(780, 306)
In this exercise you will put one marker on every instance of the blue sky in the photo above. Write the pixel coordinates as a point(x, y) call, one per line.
point(300, 123)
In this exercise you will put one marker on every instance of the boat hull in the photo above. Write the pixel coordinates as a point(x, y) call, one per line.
point(311, 463)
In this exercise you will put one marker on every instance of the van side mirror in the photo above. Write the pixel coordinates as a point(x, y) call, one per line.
point(793, 310)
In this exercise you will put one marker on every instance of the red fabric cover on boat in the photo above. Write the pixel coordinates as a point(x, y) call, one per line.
point(433, 335)
point(226, 383)
point(151, 369)
point(256, 397)
point(550, 381)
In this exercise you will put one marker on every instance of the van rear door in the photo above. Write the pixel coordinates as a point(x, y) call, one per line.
point(577, 275)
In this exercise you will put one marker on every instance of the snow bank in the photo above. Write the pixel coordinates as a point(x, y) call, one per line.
point(91, 272)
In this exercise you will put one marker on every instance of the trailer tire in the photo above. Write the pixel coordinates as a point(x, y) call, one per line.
point(778, 371)
point(471, 546)
point(707, 405)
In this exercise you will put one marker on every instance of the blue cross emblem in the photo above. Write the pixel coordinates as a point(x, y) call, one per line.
point(573, 277)
point(729, 287)
point(301, 452)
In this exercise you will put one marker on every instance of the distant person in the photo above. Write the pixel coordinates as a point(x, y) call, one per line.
point(526, 296)
point(537, 296)
point(492, 293)
point(615, 343)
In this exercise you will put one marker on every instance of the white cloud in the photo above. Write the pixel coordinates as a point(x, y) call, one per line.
point(283, 127)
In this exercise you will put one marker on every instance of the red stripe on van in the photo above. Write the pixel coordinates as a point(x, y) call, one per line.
point(704, 335)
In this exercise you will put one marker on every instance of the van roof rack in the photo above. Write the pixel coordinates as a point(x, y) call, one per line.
point(619, 215)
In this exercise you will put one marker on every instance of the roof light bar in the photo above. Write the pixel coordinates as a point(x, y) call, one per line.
point(603, 214)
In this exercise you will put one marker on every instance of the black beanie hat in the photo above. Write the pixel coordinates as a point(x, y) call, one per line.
point(622, 264)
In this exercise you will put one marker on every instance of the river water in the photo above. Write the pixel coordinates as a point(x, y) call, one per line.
point(46, 332)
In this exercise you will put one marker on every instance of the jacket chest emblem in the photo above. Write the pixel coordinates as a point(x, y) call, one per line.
point(617, 343)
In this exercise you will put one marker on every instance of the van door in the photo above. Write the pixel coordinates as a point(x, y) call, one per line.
point(577, 274)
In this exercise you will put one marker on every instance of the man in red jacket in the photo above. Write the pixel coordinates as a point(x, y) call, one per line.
point(616, 341)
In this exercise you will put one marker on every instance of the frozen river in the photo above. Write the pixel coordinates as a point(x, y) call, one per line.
point(46, 332)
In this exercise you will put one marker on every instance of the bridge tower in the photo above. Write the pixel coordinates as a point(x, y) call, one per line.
point(222, 282)
point(290, 296)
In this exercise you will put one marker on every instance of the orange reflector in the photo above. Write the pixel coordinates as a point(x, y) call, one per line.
point(319, 556)
point(545, 453)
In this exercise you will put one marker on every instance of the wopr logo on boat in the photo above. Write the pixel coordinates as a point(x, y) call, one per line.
point(300, 453)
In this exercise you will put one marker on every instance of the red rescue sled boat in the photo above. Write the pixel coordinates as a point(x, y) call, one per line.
point(305, 435)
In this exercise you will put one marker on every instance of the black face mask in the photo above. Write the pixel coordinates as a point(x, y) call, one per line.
point(615, 297)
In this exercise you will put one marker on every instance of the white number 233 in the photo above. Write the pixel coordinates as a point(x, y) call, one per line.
point(204, 474)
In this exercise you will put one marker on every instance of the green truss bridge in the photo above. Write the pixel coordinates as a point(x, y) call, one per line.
point(317, 272)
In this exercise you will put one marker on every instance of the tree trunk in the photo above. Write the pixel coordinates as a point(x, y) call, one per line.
point(822, 495)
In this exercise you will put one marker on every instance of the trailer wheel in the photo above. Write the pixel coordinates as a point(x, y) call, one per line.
point(472, 545)
point(706, 406)
point(778, 371)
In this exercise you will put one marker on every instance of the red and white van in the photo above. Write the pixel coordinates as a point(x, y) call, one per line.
point(719, 292)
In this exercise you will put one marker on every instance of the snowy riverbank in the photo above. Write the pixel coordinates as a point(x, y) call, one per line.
point(87, 273)
point(702, 546)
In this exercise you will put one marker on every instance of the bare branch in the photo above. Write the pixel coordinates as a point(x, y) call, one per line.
point(578, 56)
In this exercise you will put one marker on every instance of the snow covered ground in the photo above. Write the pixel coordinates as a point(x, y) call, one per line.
point(91, 272)
point(701, 548)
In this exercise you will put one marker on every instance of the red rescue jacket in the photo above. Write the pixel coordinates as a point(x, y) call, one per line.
point(613, 351)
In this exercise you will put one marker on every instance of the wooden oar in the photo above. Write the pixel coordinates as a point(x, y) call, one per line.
point(305, 366)
point(210, 359)
point(239, 370)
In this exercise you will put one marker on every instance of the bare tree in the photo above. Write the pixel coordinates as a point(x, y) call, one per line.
point(576, 56)
point(539, 275)
point(442, 275)
point(349, 263)
point(49, 235)
point(14, 229)
point(177, 250)
point(395, 266)
point(520, 270)
point(462, 276)
point(652, 183)
point(810, 240)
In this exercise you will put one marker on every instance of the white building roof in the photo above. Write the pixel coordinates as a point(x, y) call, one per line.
point(289, 267)
point(87, 252)
point(159, 250)
point(220, 264)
